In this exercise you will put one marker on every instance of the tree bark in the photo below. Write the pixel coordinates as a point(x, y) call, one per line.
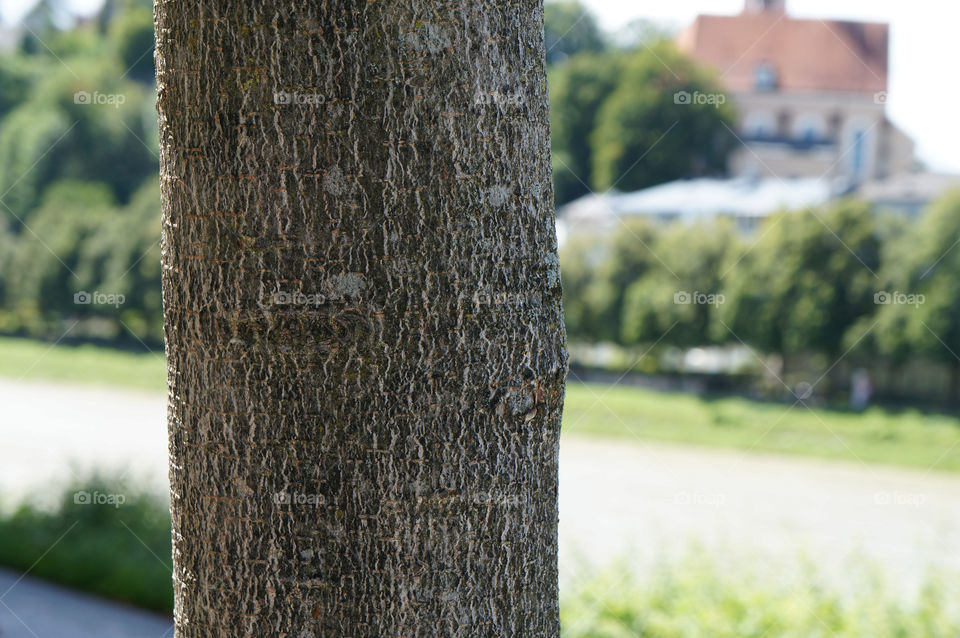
point(363, 327)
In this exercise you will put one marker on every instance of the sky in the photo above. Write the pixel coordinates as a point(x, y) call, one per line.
point(924, 89)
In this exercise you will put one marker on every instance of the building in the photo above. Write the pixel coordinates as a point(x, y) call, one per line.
point(908, 193)
point(746, 201)
point(811, 94)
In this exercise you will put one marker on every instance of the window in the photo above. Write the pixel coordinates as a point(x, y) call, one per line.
point(810, 127)
point(765, 78)
point(760, 125)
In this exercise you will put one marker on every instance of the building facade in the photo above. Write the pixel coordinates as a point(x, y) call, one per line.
point(811, 94)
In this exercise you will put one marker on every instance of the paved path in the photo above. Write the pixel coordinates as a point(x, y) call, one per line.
point(653, 500)
point(34, 609)
point(55, 431)
point(617, 497)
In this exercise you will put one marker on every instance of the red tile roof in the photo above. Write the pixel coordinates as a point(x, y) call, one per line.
point(808, 55)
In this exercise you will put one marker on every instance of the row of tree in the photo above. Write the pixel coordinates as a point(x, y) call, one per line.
point(79, 201)
point(827, 282)
point(79, 210)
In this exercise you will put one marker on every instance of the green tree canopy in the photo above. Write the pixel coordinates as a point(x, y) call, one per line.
point(570, 28)
point(806, 279)
point(919, 307)
point(666, 119)
point(678, 296)
point(578, 89)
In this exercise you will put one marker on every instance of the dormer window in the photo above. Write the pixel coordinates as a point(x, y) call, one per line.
point(765, 78)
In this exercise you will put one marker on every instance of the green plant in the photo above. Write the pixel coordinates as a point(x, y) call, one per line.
point(102, 534)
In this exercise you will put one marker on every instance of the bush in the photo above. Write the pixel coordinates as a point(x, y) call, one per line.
point(697, 597)
point(118, 551)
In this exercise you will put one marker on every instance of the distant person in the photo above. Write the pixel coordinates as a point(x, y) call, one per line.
point(860, 389)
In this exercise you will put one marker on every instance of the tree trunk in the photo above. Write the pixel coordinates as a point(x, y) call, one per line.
point(362, 302)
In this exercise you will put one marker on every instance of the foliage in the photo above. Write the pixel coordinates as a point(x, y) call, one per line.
point(133, 33)
point(570, 28)
point(666, 119)
point(79, 205)
point(807, 278)
point(676, 301)
point(121, 552)
point(601, 281)
point(697, 596)
point(578, 89)
point(921, 266)
point(619, 119)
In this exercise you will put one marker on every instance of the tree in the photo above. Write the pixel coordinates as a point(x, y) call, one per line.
point(578, 88)
point(808, 278)
point(362, 314)
point(598, 276)
point(918, 308)
point(675, 301)
point(667, 119)
point(570, 28)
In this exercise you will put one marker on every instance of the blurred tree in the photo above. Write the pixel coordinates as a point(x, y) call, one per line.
point(40, 23)
point(580, 262)
point(570, 28)
point(126, 255)
point(680, 293)
point(27, 136)
point(918, 309)
point(132, 33)
point(598, 278)
point(806, 280)
point(578, 89)
point(17, 72)
point(52, 261)
point(91, 128)
point(666, 119)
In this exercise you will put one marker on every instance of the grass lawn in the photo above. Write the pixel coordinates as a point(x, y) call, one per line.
point(38, 361)
point(907, 438)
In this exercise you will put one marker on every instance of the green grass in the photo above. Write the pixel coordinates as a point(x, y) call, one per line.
point(696, 597)
point(907, 438)
point(40, 361)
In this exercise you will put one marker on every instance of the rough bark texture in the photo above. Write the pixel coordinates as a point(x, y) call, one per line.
point(362, 300)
